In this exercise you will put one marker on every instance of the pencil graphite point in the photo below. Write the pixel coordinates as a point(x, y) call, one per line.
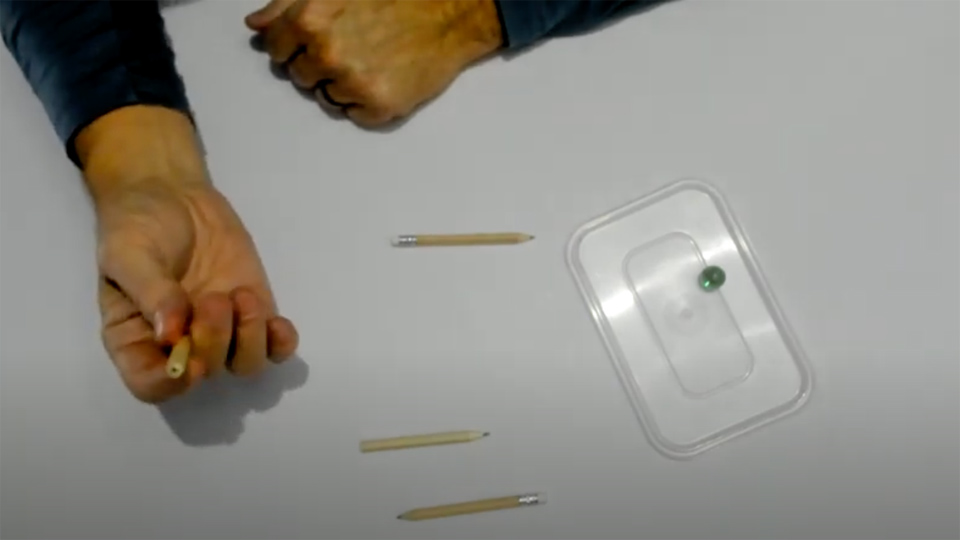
point(486, 433)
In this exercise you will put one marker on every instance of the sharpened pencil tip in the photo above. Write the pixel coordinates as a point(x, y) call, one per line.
point(486, 433)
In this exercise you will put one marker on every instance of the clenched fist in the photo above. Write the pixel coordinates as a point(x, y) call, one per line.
point(377, 60)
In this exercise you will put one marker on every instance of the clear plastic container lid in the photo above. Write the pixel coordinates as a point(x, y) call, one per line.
point(704, 354)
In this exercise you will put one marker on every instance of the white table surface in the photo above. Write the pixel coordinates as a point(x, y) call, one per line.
point(831, 127)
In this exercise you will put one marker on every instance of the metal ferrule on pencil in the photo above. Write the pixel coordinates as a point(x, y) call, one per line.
point(406, 240)
point(529, 499)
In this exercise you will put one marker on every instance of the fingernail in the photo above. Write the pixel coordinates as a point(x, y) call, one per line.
point(158, 326)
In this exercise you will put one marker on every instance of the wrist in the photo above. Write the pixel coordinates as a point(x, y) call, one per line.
point(137, 144)
point(478, 29)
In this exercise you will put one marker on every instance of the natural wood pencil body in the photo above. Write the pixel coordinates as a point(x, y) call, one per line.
point(479, 239)
point(470, 507)
point(177, 362)
point(413, 441)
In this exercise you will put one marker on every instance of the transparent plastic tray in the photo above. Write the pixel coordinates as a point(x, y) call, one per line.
point(700, 366)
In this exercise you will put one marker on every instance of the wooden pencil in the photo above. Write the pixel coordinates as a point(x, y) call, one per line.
point(472, 507)
point(414, 441)
point(478, 239)
point(177, 362)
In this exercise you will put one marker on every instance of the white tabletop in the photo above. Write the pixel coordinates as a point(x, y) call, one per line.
point(832, 129)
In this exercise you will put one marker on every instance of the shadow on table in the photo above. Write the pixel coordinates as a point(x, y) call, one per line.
point(214, 413)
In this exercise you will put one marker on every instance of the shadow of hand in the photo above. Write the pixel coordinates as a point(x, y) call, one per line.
point(213, 414)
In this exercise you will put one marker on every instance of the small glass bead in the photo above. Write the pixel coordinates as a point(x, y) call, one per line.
point(712, 278)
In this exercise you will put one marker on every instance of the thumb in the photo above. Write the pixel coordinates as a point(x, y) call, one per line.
point(152, 288)
point(260, 19)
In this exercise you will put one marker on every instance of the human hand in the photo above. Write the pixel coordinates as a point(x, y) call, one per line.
point(377, 60)
point(174, 258)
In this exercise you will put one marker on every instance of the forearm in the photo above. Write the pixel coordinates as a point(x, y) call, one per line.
point(526, 21)
point(87, 58)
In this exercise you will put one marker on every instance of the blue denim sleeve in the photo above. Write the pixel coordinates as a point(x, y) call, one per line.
point(85, 58)
point(526, 21)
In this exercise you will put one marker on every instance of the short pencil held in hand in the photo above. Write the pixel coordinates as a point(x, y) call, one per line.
point(177, 362)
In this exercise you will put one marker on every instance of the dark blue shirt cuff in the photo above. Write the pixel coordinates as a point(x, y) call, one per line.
point(85, 58)
point(526, 21)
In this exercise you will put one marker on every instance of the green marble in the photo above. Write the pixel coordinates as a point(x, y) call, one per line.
point(712, 278)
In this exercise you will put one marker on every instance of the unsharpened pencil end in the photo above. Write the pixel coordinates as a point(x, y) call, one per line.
point(179, 356)
point(174, 372)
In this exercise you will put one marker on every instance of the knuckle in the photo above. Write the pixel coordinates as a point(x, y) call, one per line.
point(209, 336)
point(299, 19)
point(379, 98)
point(213, 313)
point(308, 16)
point(325, 58)
point(250, 308)
point(326, 53)
point(252, 313)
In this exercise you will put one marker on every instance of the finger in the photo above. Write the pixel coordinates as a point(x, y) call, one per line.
point(142, 367)
point(196, 370)
point(251, 333)
point(282, 339)
point(211, 330)
point(303, 71)
point(281, 41)
point(259, 19)
point(155, 292)
point(368, 116)
point(334, 97)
